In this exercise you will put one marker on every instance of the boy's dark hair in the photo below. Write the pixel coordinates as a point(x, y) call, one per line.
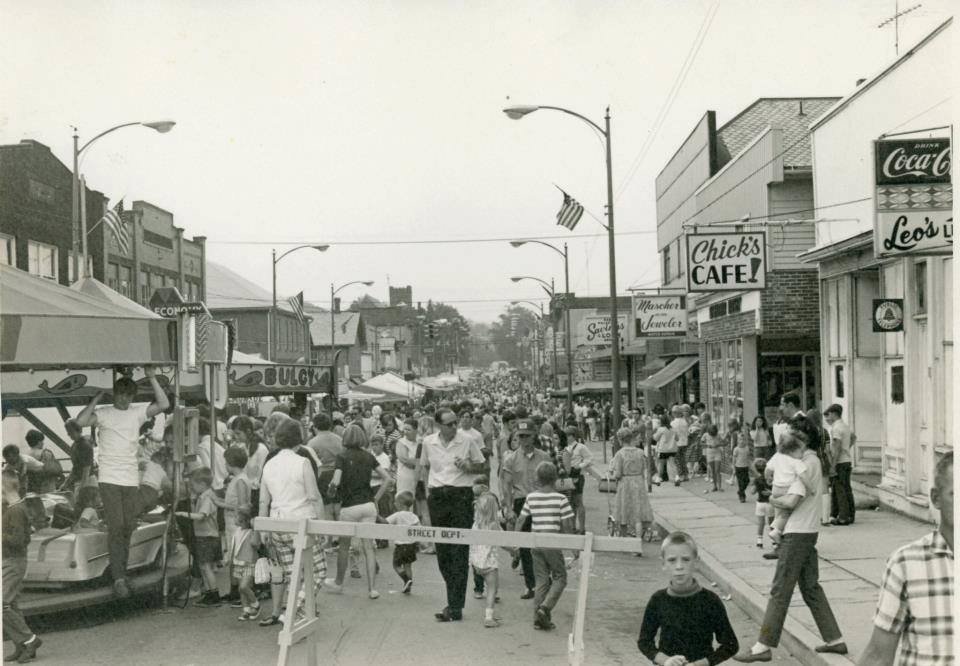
point(759, 464)
point(11, 450)
point(944, 465)
point(546, 473)
point(34, 437)
point(712, 429)
point(679, 538)
point(126, 386)
point(322, 422)
point(202, 475)
point(834, 409)
point(792, 399)
point(404, 500)
point(235, 457)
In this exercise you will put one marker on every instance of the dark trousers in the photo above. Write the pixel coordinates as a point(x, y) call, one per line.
point(682, 462)
point(452, 506)
point(797, 565)
point(121, 506)
point(526, 558)
point(743, 481)
point(14, 626)
point(841, 494)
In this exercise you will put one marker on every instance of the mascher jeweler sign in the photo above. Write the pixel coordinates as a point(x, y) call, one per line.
point(659, 316)
point(914, 197)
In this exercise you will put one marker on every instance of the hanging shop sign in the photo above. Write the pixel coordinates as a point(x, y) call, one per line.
point(887, 315)
point(913, 197)
point(250, 379)
point(595, 330)
point(726, 261)
point(658, 316)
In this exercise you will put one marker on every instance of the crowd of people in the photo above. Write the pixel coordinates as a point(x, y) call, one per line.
point(498, 456)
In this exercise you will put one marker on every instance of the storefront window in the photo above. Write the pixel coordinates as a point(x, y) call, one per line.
point(725, 365)
point(782, 374)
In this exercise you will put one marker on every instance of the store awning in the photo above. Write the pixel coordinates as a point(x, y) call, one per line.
point(673, 371)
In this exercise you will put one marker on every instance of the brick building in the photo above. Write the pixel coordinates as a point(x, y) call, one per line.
point(755, 346)
point(37, 233)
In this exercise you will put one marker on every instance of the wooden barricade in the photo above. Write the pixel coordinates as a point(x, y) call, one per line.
point(306, 531)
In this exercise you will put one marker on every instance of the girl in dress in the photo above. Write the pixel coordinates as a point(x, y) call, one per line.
point(483, 557)
point(628, 468)
point(762, 438)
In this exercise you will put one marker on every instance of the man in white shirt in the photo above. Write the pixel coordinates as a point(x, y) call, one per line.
point(118, 427)
point(843, 511)
point(680, 425)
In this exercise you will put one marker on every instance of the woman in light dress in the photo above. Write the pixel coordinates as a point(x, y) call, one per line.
point(628, 468)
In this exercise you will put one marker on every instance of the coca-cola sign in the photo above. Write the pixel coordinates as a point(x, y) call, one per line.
point(901, 162)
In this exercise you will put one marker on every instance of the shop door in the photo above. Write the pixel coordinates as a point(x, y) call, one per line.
point(920, 426)
point(895, 429)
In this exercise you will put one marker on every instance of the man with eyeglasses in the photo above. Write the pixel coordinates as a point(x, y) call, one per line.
point(454, 460)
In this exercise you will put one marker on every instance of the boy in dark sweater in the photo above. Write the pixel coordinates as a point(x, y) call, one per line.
point(16, 538)
point(687, 617)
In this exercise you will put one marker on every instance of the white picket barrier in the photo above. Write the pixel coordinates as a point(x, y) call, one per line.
point(307, 530)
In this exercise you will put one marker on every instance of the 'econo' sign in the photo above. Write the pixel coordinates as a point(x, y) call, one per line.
point(726, 261)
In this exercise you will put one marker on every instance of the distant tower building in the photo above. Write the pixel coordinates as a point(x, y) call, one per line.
point(400, 295)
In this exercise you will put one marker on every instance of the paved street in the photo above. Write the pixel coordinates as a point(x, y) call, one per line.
point(394, 628)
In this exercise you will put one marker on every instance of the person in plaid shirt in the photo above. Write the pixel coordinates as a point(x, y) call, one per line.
point(916, 596)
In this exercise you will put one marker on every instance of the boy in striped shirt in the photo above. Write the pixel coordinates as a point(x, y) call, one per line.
point(549, 511)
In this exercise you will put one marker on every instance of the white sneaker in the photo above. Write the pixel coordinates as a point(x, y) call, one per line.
point(374, 594)
point(331, 587)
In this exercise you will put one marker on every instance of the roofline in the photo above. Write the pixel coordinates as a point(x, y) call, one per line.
point(735, 158)
point(687, 138)
point(859, 90)
point(147, 203)
point(817, 254)
point(775, 99)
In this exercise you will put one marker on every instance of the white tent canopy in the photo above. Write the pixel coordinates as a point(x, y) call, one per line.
point(390, 382)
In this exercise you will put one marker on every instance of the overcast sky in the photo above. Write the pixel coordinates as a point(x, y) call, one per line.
point(338, 122)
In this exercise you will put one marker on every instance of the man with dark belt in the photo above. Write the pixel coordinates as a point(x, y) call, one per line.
point(454, 460)
point(519, 480)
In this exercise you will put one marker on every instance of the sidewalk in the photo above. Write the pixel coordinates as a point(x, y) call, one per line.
point(851, 561)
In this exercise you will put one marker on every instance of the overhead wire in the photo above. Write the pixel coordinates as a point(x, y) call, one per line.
point(438, 241)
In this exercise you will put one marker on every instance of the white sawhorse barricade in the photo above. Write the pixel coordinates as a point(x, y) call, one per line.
point(302, 571)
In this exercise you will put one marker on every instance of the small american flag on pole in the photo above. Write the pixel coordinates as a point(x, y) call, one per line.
point(114, 222)
point(296, 302)
point(570, 212)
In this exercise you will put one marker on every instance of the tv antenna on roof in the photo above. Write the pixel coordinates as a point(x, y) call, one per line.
point(895, 19)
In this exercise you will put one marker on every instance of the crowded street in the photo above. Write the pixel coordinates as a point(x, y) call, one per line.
point(512, 332)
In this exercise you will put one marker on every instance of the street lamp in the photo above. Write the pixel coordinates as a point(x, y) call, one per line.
point(566, 311)
point(518, 112)
point(79, 221)
point(274, 330)
point(540, 336)
point(333, 355)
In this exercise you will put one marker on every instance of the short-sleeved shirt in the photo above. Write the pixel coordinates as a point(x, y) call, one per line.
point(680, 426)
point(440, 456)
point(118, 438)
point(522, 468)
point(916, 601)
point(383, 459)
point(327, 446)
point(356, 468)
point(666, 440)
point(805, 517)
point(840, 442)
point(406, 518)
point(206, 526)
point(546, 511)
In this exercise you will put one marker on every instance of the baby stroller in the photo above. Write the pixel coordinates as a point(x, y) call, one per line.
point(650, 534)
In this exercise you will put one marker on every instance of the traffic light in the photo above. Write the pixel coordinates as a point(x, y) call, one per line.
point(431, 330)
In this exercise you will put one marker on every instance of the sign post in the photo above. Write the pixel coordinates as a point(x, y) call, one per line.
point(726, 261)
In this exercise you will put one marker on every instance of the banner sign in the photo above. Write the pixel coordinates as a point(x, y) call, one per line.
point(595, 330)
point(267, 379)
point(726, 261)
point(887, 315)
point(657, 316)
point(913, 198)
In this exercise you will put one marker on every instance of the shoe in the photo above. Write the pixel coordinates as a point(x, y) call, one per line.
point(478, 594)
point(355, 574)
point(30, 650)
point(771, 556)
point(447, 615)
point(759, 542)
point(839, 648)
point(541, 619)
point(120, 588)
point(528, 594)
point(17, 651)
point(374, 594)
point(743, 500)
point(407, 586)
point(492, 622)
point(209, 600)
point(269, 621)
point(251, 613)
point(676, 483)
point(747, 656)
point(235, 603)
point(331, 587)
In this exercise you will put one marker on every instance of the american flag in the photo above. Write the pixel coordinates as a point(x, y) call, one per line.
point(296, 302)
point(114, 222)
point(570, 212)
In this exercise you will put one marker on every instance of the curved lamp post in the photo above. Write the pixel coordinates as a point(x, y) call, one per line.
point(540, 337)
point(518, 112)
point(547, 287)
point(79, 221)
point(566, 310)
point(333, 355)
point(273, 310)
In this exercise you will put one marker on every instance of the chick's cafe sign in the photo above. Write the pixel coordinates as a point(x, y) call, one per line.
point(913, 198)
point(726, 261)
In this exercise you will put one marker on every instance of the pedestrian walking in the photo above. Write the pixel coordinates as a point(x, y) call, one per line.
point(666, 438)
point(798, 564)
point(453, 461)
point(243, 560)
point(762, 509)
point(741, 467)
point(681, 427)
point(710, 444)
point(914, 617)
point(687, 617)
point(483, 557)
point(206, 539)
point(549, 512)
point(843, 511)
point(628, 469)
point(404, 550)
point(16, 538)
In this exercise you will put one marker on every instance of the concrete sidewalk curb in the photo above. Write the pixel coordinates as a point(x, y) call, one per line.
point(796, 638)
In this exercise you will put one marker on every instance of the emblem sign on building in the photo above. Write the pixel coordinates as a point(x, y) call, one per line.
point(726, 261)
point(887, 315)
point(658, 316)
point(914, 197)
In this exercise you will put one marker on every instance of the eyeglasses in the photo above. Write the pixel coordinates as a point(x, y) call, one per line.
point(448, 423)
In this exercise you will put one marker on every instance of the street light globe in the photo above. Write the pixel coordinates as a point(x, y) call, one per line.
point(368, 283)
point(320, 248)
point(516, 279)
point(162, 126)
point(518, 112)
point(518, 243)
